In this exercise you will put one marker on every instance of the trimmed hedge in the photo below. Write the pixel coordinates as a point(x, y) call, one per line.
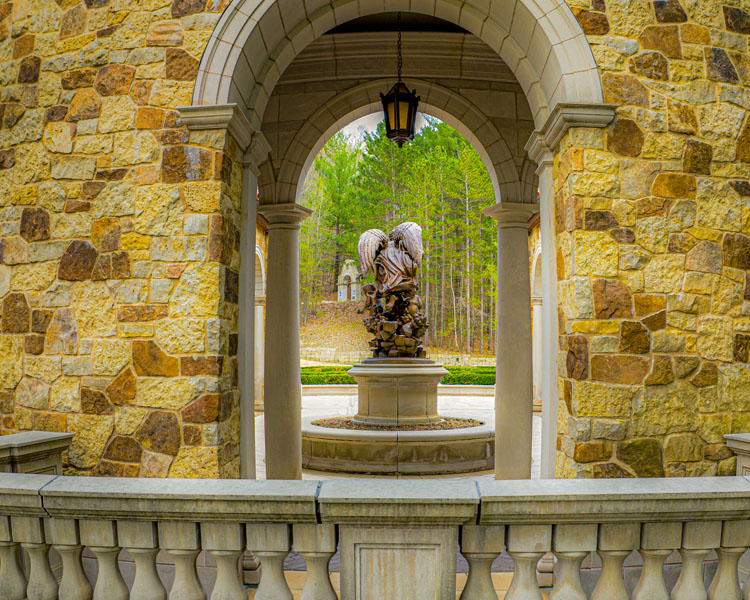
point(456, 376)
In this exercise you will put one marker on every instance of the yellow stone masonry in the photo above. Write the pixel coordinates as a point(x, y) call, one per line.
point(119, 243)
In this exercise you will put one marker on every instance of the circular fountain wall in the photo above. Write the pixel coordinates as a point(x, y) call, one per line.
point(397, 429)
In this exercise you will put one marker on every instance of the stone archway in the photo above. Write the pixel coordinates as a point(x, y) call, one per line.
point(544, 47)
point(254, 42)
point(437, 101)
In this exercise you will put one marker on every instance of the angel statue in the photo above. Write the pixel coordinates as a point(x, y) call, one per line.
point(394, 309)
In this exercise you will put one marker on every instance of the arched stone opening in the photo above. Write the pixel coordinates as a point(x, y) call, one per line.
point(254, 43)
point(542, 46)
point(362, 100)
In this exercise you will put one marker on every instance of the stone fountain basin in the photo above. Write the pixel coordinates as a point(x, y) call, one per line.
point(439, 452)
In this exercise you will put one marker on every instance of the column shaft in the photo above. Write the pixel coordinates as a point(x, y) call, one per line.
point(548, 371)
point(260, 311)
point(536, 332)
point(245, 366)
point(513, 388)
point(283, 391)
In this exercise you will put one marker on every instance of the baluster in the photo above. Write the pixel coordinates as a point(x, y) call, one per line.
point(140, 539)
point(698, 539)
point(182, 542)
point(101, 538)
point(271, 544)
point(30, 532)
point(481, 545)
point(726, 583)
point(526, 545)
point(64, 536)
point(735, 538)
point(12, 580)
point(616, 542)
point(658, 540)
point(571, 544)
point(316, 544)
point(225, 542)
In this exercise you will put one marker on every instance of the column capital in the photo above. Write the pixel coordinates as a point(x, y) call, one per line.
point(257, 153)
point(284, 216)
point(219, 116)
point(538, 151)
point(512, 214)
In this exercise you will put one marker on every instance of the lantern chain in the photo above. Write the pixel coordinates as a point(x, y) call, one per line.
point(400, 59)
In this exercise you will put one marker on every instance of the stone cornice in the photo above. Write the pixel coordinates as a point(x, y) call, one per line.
point(284, 216)
point(257, 153)
point(543, 142)
point(538, 150)
point(219, 116)
point(512, 214)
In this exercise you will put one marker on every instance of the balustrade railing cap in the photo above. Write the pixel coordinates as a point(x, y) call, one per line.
point(19, 494)
point(28, 438)
point(182, 499)
point(398, 502)
point(614, 500)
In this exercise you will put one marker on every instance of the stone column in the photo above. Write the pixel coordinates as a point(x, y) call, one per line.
point(548, 337)
point(283, 391)
point(513, 389)
point(536, 345)
point(260, 316)
point(245, 366)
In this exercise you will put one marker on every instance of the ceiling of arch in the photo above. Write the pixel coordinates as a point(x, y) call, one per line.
point(458, 62)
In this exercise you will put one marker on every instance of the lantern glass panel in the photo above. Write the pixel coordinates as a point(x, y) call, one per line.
point(403, 114)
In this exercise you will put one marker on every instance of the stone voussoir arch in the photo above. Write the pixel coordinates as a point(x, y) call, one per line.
point(364, 99)
point(256, 40)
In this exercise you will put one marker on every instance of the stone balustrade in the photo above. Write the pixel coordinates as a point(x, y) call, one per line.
point(397, 539)
point(33, 452)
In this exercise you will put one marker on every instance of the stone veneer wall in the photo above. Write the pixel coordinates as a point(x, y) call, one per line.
point(119, 276)
point(653, 225)
point(119, 262)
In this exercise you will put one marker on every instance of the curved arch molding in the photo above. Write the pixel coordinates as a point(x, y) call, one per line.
point(540, 40)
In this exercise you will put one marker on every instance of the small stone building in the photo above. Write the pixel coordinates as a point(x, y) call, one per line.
point(133, 138)
point(349, 288)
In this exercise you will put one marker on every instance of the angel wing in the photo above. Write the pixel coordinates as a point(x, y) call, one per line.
point(370, 243)
point(410, 235)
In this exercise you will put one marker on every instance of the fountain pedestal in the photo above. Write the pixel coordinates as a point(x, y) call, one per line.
point(397, 391)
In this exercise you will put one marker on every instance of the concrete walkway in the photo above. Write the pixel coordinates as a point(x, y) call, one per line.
point(478, 407)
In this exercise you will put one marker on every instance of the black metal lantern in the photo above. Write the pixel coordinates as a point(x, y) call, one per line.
point(400, 106)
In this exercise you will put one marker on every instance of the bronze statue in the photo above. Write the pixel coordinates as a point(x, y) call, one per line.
point(393, 306)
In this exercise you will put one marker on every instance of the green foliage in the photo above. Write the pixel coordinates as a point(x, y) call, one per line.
point(438, 181)
point(456, 376)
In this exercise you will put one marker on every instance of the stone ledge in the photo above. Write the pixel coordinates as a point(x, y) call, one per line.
point(367, 502)
point(400, 502)
point(614, 500)
point(33, 452)
point(182, 499)
point(20, 494)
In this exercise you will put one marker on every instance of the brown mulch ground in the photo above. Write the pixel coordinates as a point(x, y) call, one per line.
point(446, 423)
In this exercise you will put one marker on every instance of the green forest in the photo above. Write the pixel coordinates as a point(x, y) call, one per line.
point(438, 181)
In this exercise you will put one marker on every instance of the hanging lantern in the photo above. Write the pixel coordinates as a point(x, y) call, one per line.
point(400, 106)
